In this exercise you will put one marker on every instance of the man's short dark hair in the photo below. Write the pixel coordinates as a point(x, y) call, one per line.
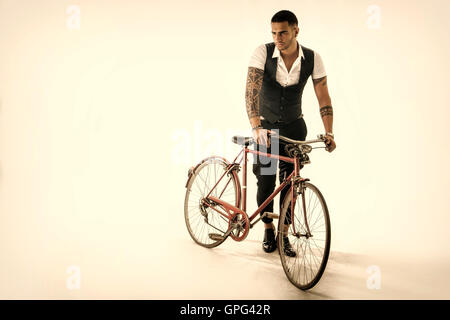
point(285, 15)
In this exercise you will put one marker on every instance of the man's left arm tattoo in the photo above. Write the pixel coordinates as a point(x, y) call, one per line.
point(326, 111)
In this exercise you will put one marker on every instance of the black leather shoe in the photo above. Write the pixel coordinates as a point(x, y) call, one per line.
point(269, 244)
point(288, 248)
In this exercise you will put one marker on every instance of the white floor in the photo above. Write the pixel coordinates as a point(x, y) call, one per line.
point(120, 262)
point(243, 271)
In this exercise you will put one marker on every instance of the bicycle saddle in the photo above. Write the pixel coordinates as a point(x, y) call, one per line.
point(243, 141)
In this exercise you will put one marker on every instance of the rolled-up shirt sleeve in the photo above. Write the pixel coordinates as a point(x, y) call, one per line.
point(258, 58)
point(319, 68)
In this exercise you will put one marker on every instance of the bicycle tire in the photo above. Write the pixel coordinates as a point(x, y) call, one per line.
point(210, 218)
point(294, 272)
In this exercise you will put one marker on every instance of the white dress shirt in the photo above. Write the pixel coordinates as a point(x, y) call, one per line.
point(285, 78)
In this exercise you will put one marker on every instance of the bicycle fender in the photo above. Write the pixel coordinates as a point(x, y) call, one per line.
point(192, 170)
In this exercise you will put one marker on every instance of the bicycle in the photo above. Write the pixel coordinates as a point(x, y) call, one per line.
point(215, 208)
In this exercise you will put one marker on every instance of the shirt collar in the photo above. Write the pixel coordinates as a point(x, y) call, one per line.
point(276, 52)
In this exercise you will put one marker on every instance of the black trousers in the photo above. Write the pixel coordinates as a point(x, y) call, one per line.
point(265, 168)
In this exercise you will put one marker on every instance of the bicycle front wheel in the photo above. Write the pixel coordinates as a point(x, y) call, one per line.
point(206, 226)
point(309, 234)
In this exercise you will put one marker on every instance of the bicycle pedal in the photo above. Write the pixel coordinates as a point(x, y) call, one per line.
point(272, 215)
point(216, 236)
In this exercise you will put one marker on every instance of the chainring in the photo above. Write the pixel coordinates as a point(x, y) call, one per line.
point(241, 224)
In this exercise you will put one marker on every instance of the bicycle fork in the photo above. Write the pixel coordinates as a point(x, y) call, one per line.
point(299, 184)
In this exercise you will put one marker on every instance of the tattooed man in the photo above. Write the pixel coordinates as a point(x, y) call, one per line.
point(277, 74)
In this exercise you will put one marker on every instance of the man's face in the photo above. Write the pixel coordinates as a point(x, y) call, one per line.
point(284, 35)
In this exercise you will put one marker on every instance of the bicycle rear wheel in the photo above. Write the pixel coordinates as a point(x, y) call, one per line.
point(205, 225)
point(313, 247)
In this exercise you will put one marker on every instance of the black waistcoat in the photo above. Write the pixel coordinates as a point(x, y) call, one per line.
point(278, 103)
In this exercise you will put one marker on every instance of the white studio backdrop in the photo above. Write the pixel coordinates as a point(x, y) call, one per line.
point(104, 105)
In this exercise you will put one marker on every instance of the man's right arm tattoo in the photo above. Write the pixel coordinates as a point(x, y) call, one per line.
point(322, 80)
point(252, 90)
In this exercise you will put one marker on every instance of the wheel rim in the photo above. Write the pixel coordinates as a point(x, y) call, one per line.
point(201, 220)
point(305, 269)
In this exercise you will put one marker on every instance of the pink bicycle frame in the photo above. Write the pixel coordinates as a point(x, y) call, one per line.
point(243, 205)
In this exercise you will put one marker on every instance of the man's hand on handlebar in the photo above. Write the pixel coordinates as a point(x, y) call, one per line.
point(260, 135)
point(329, 141)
